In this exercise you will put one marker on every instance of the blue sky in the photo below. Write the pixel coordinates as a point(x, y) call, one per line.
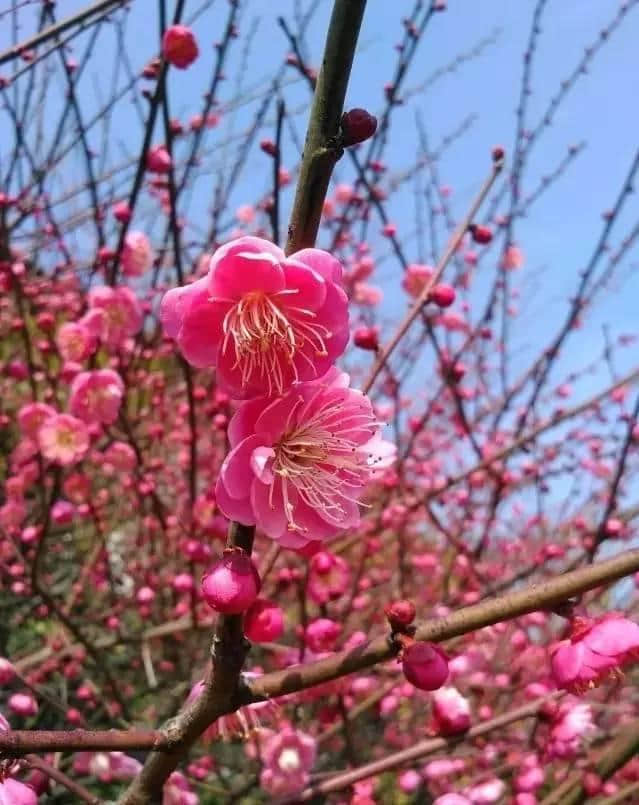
point(558, 234)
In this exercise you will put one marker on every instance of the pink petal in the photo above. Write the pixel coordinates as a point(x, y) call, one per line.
point(322, 262)
point(262, 464)
point(240, 272)
point(236, 470)
point(243, 422)
point(201, 332)
point(310, 287)
point(176, 302)
point(233, 508)
point(269, 508)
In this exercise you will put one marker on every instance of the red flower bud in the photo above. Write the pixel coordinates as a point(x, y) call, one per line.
point(366, 338)
point(269, 147)
point(357, 125)
point(232, 584)
point(179, 47)
point(425, 665)
point(481, 234)
point(442, 295)
point(400, 614)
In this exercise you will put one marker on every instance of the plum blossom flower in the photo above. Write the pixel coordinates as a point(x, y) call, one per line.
point(177, 791)
point(329, 576)
point(31, 416)
point(299, 463)
point(96, 396)
point(13, 792)
point(75, 341)
point(121, 314)
point(288, 757)
point(572, 724)
point(263, 320)
point(137, 254)
point(416, 276)
point(63, 439)
point(596, 650)
point(451, 711)
point(106, 766)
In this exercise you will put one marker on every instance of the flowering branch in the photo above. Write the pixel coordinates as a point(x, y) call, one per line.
point(418, 750)
point(321, 149)
point(449, 251)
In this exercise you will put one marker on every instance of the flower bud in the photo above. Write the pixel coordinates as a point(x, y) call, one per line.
point(264, 621)
point(400, 614)
point(357, 125)
point(425, 665)
point(179, 47)
point(442, 295)
point(232, 584)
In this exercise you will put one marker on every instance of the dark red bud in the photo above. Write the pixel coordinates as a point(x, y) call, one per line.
point(481, 234)
point(400, 613)
point(357, 125)
point(442, 295)
point(366, 338)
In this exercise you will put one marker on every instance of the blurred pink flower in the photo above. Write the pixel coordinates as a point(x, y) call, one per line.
point(31, 416)
point(137, 254)
point(572, 724)
point(300, 462)
point(63, 439)
point(596, 650)
point(121, 314)
point(451, 711)
point(288, 756)
point(75, 341)
point(264, 320)
point(177, 791)
point(416, 276)
point(96, 396)
point(329, 576)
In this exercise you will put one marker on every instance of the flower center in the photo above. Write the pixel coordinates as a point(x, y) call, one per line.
point(320, 460)
point(267, 340)
point(289, 760)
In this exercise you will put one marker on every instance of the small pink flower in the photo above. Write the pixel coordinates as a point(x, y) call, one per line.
point(23, 704)
point(288, 757)
point(121, 313)
point(300, 462)
point(120, 456)
point(245, 214)
point(264, 320)
point(596, 650)
point(416, 276)
point(63, 439)
point(179, 46)
point(177, 791)
point(329, 576)
point(572, 725)
point(96, 396)
point(451, 711)
point(137, 254)
point(13, 792)
point(31, 416)
point(513, 258)
point(369, 295)
point(75, 341)
point(158, 159)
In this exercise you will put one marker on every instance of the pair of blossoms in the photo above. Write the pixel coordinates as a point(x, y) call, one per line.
point(113, 316)
point(303, 443)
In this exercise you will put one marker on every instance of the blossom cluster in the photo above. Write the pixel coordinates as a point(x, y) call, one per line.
point(303, 443)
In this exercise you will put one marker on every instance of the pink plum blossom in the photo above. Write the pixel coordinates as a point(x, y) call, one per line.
point(121, 314)
point(137, 254)
point(96, 396)
point(263, 320)
point(31, 416)
point(288, 757)
point(416, 276)
point(451, 711)
point(75, 341)
point(13, 792)
point(596, 650)
point(299, 463)
point(63, 439)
